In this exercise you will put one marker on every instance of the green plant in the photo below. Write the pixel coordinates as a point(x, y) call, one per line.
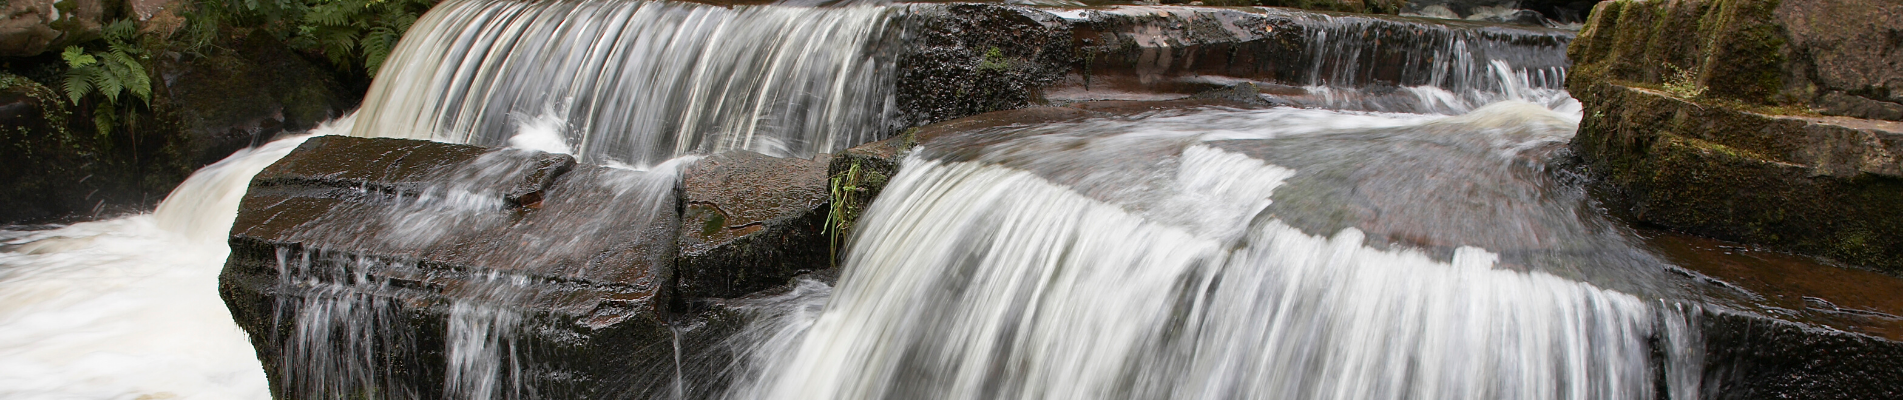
point(994, 60)
point(1683, 83)
point(845, 208)
point(110, 71)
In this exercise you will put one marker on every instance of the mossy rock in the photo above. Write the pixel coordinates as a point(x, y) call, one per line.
point(1801, 184)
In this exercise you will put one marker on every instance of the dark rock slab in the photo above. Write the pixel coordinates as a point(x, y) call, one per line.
point(749, 222)
point(397, 268)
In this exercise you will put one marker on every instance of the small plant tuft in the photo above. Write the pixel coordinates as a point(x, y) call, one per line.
point(1683, 83)
point(994, 60)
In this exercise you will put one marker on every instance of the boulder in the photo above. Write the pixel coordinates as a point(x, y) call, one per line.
point(1697, 118)
point(1826, 186)
point(397, 268)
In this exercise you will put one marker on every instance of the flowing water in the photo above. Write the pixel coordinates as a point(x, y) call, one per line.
point(1328, 252)
point(1039, 268)
point(638, 82)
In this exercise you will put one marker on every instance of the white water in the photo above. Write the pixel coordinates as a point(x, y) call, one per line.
point(637, 82)
point(985, 279)
point(128, 308)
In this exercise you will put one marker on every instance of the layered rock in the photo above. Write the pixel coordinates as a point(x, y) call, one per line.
point(1837, 56)
point(1697, 117)
point(967, 59)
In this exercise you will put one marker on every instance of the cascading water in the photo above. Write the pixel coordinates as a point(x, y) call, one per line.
point(1039, 268)
point(638, 82)
point(1212, 253)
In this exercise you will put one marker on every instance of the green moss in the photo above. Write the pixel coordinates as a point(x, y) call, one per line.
point(994, 60)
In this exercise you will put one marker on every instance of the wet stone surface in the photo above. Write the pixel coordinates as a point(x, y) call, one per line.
point(749, 222)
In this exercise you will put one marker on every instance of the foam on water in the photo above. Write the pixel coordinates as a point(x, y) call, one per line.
point(129, 307)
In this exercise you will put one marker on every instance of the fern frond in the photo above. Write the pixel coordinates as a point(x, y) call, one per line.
point(77, 84)
point(76, 57)
point(121, 30)
point(106, 83)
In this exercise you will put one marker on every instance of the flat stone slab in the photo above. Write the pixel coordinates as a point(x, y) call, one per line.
point(385, 266)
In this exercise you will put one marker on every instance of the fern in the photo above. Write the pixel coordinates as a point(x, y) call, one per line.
point(113, 67)
point(351, 34)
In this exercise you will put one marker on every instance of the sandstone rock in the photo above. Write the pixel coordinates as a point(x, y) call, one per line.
point(1683, 124)
point(395, 268)
point(1167, 53)
point(749, 222)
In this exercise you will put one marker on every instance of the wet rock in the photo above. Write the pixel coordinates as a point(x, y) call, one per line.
point(1825, 186)
point(31, 27)
point(397, 268)
point(1754, 357)
point(749, 222)
point(966, 59)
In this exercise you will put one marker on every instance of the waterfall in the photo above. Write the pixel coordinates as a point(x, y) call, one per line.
point(1443, 69)
point(1038, 268)
point(638, 82)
